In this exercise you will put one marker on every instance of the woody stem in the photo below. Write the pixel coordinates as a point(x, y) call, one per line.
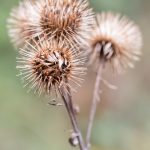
point(95, 100)
point(69, 106)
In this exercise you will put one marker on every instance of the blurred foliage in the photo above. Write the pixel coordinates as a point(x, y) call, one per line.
point(28, 123)
point(122, 6)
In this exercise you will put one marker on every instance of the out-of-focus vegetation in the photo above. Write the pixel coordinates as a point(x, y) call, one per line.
point(122, 123)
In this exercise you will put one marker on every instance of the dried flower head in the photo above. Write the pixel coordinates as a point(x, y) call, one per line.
point(20, 25)
point(115, 39)
point(68, 20)
point(50, 65)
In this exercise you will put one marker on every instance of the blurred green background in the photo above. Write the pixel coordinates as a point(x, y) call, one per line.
point(123, 118)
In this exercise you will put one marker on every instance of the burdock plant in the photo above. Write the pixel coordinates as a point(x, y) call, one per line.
point(115, 41)
point(55, 37)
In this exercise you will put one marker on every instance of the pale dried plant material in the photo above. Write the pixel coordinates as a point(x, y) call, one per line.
point(69, 20)
point(116, 40)
point(20, 25)
point(53, 34)
point(48, 65)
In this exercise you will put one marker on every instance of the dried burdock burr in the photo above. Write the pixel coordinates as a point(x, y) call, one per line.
point(115, 40)
point(68, 20)
point(47, 65)
point(20, 24)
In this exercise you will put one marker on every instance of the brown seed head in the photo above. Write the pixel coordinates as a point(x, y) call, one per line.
point(68, 20)
point(19, 24)
point(115, 39)
point(49, 65)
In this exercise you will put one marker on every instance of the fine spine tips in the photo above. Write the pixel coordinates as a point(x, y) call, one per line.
point(46, 65)
point(116, 40)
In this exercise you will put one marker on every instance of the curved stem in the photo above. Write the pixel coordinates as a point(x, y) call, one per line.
point(95, 100)
point(69, 106)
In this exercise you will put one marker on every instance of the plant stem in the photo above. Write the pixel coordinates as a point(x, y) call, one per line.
point(95, 100)
point(69, 106)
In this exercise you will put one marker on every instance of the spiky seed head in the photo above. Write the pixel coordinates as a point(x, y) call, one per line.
point(20, 25)
point(116, 40)
point(48, 65)
point(69, 20)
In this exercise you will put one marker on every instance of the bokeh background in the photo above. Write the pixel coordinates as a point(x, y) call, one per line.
point(123, 118)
